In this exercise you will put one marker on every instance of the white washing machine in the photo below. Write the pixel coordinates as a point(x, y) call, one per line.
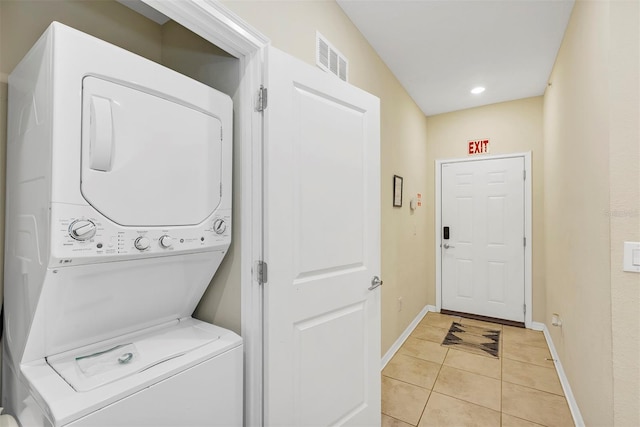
point(118, 216)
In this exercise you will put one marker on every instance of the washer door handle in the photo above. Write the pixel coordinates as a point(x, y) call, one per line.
point(101, 136)
point(375, 282)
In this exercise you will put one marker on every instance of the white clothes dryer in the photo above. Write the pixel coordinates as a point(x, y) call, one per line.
point(118, 216)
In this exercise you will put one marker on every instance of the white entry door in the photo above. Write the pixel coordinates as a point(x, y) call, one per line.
point(322, 246)
point(483, 258)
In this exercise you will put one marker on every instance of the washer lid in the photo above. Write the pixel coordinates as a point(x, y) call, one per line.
point(147, 159)
point(91, 367)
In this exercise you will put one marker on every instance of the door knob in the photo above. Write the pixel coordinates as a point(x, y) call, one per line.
point(447, 246)
point(375, 282)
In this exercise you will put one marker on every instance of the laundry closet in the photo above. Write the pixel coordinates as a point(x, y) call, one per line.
point(168, 44)
point(113, 100)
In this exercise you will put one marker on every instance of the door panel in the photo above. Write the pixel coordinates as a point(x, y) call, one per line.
point(322, 245)
point(329, 175)
point(465, 278)
point(483, 267)
point(318, 363)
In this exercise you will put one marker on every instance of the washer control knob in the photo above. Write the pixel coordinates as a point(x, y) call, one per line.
point(166, 241)
point(142, 243)
point(82, 229)
point(219, 226)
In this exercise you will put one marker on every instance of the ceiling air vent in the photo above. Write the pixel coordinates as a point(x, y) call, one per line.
point(329, 59)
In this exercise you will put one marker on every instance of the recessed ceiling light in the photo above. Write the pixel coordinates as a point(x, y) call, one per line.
point(477, 90)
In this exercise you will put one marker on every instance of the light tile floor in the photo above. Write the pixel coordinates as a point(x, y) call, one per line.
point(426, 384)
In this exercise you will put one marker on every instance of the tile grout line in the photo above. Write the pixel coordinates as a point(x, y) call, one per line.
point(536, 389)
point(528, 363)
point(468, 401)
point(525, 386)
point(397, 379)
point(432, 388)
point(405, 382)
point(415, 385)
point(416, 357)
point(533, 387)
point(473, 372)
point(398, 419)
point(529, 421)
point(434, 381)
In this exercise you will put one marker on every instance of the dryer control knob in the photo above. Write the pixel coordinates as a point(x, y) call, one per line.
point(166, 241)
point(142, 243)
point(219, 226)
point(82, 229)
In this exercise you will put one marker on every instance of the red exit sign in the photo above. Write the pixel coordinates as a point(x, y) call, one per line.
point(480, 146)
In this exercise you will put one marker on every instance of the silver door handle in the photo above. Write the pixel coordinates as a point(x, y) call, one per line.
point(375, 282)
point(447, 246)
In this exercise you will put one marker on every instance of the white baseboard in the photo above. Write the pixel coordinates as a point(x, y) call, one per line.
point(402, 338)
point(564, 381)
point(538, 326)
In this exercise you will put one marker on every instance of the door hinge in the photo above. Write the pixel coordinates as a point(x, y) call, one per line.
point(221, 135)
point(262, 99)
point(524, 242)
point(524, 174)
point(220, 189)
point(524, 308)
point(261, 272)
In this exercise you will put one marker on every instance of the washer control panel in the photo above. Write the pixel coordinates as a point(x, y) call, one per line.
point(165, 241)
point(82, 229)
point(82, 236)
point(142, 243)
point(219, 226)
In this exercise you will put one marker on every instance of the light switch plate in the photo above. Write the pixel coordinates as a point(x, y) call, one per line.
point(632, 257)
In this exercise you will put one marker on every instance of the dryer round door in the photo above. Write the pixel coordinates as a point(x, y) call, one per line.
point(147, 159)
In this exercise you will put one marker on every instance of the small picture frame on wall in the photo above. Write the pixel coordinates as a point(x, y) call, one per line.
point(397, 191)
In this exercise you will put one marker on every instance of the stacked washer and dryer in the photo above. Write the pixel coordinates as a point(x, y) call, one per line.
point(118, 216)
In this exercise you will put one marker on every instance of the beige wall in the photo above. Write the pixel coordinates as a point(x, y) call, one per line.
point(24, 21)
point(592, 203)
point(624, 210)
point(512, 127)
point(291, 26)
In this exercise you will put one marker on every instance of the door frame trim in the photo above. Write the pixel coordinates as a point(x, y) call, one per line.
point(213, 21)
point(528, 217)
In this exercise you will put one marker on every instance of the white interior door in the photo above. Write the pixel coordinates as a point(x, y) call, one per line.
point(322, 245)
point(483, 258)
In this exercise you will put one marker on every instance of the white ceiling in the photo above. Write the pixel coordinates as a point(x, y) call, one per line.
point(441, 49)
